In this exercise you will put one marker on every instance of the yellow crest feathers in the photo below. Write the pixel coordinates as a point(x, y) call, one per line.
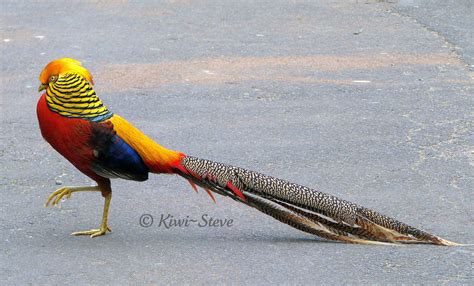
point(64, 65)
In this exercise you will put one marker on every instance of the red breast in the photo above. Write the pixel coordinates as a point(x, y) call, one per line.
point(69, 136)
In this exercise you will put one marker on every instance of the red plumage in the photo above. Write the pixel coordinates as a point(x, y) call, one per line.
point(69, 136)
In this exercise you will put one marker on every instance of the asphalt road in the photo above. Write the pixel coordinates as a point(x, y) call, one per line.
point(367, 100)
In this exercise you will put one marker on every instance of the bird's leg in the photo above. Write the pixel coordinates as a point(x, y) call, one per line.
point(57, 195)
point(103, 226)
point(103, 187)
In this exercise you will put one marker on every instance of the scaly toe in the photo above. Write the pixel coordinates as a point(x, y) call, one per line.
point(86, 232)
point(99, 233)
point(92, 232)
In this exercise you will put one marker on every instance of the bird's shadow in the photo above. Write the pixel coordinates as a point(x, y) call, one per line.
point(234, 238)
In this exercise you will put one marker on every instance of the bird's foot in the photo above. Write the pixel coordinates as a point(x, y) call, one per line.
point(57, 195)
point(93, 232)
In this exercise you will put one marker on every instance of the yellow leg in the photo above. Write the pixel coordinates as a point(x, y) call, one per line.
point(56, 197)
point(103, 226)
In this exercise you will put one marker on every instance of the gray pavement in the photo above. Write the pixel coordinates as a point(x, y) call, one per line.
point(368, 100)
point(451, 20)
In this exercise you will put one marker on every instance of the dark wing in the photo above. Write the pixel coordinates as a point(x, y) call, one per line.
point(113, 157)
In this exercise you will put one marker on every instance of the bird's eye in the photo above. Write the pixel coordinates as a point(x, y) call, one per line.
point(53, 78)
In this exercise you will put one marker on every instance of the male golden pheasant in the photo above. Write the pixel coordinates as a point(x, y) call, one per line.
point(103, 145)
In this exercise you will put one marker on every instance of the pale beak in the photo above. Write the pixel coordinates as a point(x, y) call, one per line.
point(42, 87)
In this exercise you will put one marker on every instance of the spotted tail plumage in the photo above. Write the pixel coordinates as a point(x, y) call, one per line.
point(303, 208)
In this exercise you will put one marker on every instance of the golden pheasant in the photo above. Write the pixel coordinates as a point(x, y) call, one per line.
point(102, 145)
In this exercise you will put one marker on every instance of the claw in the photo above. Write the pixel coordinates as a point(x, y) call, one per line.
point(57, 195)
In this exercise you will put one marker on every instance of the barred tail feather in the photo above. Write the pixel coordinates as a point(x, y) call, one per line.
point(303, 208)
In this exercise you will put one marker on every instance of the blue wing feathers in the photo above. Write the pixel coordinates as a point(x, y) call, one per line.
point(113, 157)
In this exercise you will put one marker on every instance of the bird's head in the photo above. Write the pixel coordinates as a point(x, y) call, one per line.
point(54, 69)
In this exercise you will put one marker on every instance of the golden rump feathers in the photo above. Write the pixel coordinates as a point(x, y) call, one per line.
point(61, 66)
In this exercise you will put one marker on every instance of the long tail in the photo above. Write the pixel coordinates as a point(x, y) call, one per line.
point(308, 210)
